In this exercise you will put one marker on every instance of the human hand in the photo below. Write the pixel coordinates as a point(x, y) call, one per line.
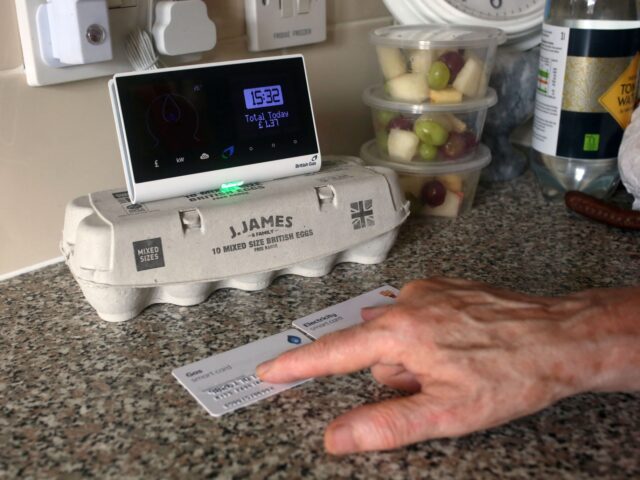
point(472, 357)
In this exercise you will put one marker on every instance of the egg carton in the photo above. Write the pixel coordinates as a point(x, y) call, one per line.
point(127, 256)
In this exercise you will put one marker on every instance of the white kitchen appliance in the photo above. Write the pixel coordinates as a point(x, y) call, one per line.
point(521, 20)
point(187, 129)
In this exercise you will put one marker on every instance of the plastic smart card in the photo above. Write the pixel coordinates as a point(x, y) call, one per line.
point(226, 382)
point(197, 128)
point(345, 314)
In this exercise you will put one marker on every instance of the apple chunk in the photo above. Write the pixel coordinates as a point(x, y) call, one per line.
point(392, 62)
point(421, 60)
point(402, 144)
point(410, 87)
point(470, 77)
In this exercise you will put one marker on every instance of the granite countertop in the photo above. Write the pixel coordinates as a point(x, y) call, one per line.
point(83, 397)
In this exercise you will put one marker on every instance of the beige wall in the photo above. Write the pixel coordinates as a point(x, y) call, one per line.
point(58, 142)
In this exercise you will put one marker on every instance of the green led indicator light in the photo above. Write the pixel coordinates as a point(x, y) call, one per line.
point(231, 187)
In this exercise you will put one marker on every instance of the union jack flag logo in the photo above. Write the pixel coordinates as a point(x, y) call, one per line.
point(362, 214)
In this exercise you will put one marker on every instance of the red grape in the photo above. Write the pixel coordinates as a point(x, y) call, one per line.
point(470, 139)
point(455, 62)
point(402, 123)
point(433, 193)
point(458, 145)
point(455, 147)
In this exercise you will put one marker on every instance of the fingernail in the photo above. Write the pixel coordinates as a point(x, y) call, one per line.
point(340, 440)
point(264, 368)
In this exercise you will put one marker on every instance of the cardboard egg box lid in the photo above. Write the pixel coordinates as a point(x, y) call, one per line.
point(213, 235)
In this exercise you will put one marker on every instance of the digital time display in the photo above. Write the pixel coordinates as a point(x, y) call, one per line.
point(262, 97)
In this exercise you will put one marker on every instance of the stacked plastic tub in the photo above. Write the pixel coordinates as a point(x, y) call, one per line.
point(429, 114)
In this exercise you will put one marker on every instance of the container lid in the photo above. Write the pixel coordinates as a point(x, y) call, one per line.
point(371, 155)
point(424, 37)
point(375, 96)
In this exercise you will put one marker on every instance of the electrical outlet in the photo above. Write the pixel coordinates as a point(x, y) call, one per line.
point(275, 24)
point(124, 17)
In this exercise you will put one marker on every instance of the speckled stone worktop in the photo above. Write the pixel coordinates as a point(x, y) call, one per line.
point(81, 397)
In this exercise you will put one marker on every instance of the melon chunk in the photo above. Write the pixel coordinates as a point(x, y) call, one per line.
point(402, 144)
point(471, 77)
point(392, 62)
point(448, 95)
point(449, 208)
point(451, 181)
point(410, 87)
point(457, 125)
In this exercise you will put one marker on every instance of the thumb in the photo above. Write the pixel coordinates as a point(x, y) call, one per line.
point(371, 313)
point(381, 426)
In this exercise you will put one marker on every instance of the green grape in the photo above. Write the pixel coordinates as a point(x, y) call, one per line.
point(416, 206)
point(382, 138)
point(439, 75)
point(431, 132)
point(428, 152)
point(385, 116)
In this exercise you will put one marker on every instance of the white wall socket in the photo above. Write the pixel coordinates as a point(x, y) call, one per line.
point(275, 24)
point(124, 16)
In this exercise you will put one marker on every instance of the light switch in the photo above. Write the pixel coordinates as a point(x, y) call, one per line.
point(303, 6)
point(286, 8)
point(275, 24)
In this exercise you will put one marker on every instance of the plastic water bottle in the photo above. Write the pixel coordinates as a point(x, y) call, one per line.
point(587, 84)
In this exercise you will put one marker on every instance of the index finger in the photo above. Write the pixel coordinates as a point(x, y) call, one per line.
point(341, 352)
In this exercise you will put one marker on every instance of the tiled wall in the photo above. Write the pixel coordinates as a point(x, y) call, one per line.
point(58, 142)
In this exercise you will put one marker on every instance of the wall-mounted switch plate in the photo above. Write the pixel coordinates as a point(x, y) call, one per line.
point(124, 17)
point(275, 24)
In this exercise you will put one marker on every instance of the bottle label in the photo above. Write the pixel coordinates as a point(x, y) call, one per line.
point(586, 91)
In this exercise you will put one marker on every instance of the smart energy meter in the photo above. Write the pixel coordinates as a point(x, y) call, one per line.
point(197, 128)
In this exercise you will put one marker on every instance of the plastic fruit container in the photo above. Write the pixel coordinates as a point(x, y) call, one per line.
point(435, 189)
point(427, 132)
point(436, 63)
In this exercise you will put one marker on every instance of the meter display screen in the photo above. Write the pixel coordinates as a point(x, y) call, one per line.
point(262, 97)
point(191, 120)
